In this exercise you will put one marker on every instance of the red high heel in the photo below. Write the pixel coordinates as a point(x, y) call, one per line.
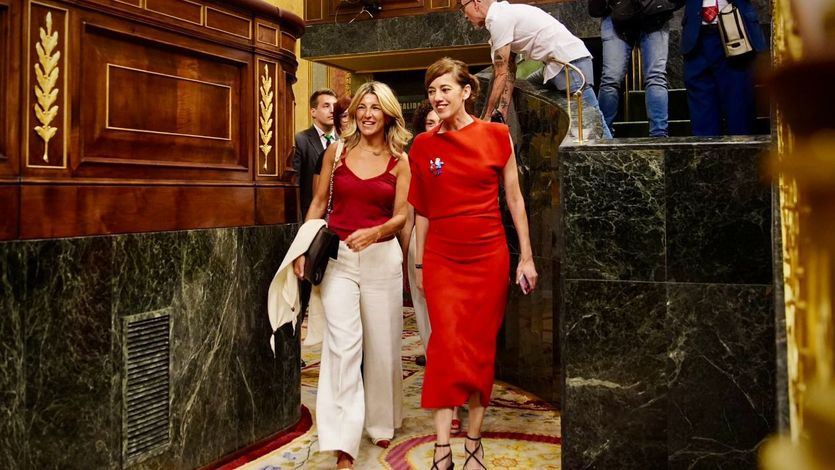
point(455, 427)
point(343, 459)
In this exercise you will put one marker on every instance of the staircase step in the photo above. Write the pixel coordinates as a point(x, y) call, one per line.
point(676, 128)
point(676, 106)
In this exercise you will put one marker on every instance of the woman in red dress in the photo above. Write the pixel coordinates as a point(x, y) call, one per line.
point(461, 252)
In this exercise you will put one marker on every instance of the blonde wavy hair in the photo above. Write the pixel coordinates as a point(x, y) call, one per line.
point(397, 136)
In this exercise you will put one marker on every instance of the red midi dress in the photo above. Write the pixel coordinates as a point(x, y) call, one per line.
point(455, 184)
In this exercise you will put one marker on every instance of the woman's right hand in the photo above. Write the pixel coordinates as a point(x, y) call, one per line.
point(298, 267)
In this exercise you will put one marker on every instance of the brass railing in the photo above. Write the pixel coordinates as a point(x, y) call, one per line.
point(577, 94)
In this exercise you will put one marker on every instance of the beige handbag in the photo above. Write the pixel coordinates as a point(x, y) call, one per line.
point(734, 35)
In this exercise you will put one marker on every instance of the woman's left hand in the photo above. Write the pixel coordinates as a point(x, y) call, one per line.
point(527, 268)
point(362, 238)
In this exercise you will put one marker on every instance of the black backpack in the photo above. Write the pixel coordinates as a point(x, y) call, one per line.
point(640, 11)
point(657, 7)
point(624, 11)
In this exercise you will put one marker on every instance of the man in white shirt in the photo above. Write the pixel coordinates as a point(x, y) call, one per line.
point(531, 32)
point(310, 143)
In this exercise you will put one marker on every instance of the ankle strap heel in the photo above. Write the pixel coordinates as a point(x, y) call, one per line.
point(472, 455)
point(446, 457)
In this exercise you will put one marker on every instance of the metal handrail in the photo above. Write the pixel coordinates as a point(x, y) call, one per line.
point(577, 94)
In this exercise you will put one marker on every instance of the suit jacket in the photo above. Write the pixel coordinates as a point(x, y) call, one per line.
point(692, 23)
point(308, 148)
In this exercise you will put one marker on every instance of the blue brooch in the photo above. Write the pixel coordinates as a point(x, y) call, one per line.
point(436, 166)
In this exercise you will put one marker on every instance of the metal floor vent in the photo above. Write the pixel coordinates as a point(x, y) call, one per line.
point(146, 410)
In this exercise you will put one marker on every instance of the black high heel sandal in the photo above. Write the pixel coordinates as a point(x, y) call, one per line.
point(447, 456)
point(472, 455)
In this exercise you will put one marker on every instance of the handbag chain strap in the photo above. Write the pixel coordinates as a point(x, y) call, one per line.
point(339, 145)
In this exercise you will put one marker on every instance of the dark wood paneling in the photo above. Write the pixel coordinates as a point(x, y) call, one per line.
point(275, 205)
point(5, 105)
point(184, 10)
point(266, 33)
point(181, 106)
point(288, 43)
point(155, 116)
point(193, 126)
point(314, 10)
point(9, 203)
point(228, 23)
point(49, 211)
point(133, 3)
point(286, 136)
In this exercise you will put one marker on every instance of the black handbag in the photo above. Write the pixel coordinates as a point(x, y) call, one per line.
point(325, 244)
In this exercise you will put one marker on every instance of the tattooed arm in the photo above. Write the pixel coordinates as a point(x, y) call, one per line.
point(504, 78)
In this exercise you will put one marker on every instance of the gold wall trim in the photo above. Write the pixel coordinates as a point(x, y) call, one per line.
point(141, 3)
point(222, 12)
point(268, 122)
point(64, 101)
point(47, 72)
point(266, 115)
point(202, 12)
point(146, 131)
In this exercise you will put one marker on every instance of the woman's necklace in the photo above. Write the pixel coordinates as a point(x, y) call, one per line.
point(376, 154)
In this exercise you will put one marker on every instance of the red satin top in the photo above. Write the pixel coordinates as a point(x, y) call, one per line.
point(361, 203)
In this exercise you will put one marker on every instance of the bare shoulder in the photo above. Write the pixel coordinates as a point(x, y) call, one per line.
point(403, 163)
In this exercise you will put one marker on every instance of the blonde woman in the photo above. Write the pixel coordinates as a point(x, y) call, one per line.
point(362, 289)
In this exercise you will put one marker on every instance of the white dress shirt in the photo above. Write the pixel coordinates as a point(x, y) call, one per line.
point(710, 3)
point(322, 135)
point(534, 34)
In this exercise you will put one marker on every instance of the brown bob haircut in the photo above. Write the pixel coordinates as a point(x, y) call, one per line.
point(460, 74)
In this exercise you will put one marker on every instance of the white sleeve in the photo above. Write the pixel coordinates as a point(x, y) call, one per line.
point(501, 32)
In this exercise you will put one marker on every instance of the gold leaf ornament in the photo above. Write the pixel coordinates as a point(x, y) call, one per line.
point(46, 77)
point(266, 118)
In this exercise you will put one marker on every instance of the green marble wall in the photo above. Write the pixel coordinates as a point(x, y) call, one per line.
point(61, 309)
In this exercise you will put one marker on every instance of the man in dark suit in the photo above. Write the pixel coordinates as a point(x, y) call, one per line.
point(311, 142)
point(718, 87)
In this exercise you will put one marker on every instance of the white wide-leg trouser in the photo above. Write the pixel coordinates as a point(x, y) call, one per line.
point(363, 298)
point(418, 300)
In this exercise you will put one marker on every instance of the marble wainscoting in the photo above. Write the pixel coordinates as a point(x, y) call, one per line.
point(667, 330)
point(528, 352)
point(63, 304)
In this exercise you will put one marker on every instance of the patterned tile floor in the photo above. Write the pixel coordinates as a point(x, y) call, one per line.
point(520, 431)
